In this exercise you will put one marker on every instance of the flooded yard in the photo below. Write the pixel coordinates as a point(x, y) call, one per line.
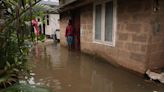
point(63, 71)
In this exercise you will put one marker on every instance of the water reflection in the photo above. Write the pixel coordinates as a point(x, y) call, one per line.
point(65, 71)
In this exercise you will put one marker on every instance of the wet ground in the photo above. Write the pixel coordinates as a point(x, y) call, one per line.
point(63, 71)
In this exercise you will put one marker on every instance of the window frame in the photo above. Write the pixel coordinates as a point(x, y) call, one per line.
point(103, 21)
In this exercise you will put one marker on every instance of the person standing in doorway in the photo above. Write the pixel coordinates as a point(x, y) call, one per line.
point(69, 33)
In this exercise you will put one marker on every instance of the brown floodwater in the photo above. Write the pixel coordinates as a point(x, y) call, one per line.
point(63, 71)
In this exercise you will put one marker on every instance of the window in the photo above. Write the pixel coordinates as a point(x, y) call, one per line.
point(47, 19)
point(38, 19)
point(108, 21)
point(98, 23)
point(105, 22)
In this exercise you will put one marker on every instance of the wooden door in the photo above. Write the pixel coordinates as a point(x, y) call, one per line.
point(76, 24)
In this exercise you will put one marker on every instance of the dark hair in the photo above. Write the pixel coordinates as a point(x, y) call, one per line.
point(70, 22)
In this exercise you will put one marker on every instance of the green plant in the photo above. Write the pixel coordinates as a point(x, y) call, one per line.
point(25, 88)
point(15, 37)
point(41, 38)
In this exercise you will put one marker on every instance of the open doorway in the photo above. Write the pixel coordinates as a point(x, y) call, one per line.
point(76, 24)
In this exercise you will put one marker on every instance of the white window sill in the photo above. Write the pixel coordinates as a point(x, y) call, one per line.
point(104, 43)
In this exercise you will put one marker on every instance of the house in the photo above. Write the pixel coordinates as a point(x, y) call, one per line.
point(128, 33)
point(52, 24)
point(49, 24)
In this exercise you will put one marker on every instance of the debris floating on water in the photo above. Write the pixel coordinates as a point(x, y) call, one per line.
point(155, 76)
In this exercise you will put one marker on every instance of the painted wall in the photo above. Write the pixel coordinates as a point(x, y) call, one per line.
point(53, 24)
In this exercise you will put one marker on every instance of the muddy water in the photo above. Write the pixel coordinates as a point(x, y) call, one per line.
point(63, 71)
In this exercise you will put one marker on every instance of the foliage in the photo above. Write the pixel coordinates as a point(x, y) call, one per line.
point(42, 38)
point(15, 36)
point(25, 88)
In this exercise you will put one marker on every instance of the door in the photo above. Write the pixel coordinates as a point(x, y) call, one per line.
point(76, 25)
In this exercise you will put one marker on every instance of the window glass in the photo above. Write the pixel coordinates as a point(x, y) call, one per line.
point(109, 21)
point(98, 22)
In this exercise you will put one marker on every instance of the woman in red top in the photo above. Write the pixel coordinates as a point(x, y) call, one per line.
point(69, 35)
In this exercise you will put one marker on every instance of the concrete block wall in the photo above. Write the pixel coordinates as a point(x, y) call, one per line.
point(156, 55)
point(63, 24)
point(86, 25)
point(132, 19)
point(133, 34)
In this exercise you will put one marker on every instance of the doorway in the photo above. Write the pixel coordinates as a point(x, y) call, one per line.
point(76, 25)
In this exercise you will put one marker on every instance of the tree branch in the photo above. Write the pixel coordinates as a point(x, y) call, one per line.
point(11, 21)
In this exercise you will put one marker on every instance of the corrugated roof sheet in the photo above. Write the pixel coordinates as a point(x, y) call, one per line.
point(49, 2)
